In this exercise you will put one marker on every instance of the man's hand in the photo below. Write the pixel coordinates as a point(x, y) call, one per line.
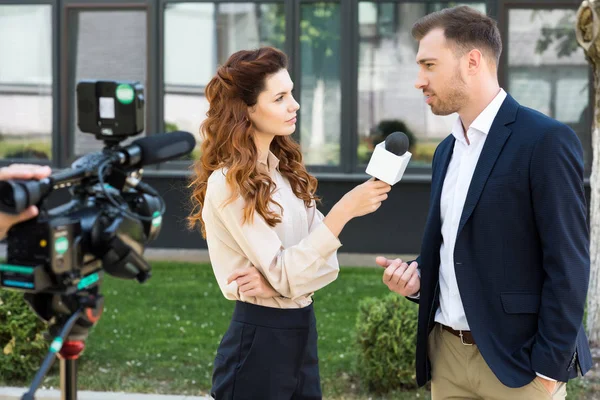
point(400, 277)
point(251, 283)
point(548, 384)
point(20, 171)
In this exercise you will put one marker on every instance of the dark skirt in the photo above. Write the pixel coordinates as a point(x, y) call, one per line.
point(268, 354)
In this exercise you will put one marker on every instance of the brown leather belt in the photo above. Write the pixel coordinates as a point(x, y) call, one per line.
point(466, 337)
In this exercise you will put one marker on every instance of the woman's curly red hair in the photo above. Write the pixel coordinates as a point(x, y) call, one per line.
point(228, 140)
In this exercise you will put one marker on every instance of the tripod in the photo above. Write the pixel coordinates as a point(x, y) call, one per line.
point(68, 344)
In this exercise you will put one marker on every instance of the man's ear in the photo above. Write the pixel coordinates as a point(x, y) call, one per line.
point(474, 59)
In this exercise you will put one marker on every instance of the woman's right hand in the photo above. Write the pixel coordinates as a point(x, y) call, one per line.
point(362, 200)
point(365, 198)
point(251, 283)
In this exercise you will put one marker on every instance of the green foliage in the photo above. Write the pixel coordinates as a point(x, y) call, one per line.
point(272, 25)
point(23, 347)
point(386, 331)
point(387, 126)
point(171, 127)
point(320, 40)
point(562, 35)
point(12, 146)
point(27, 153)
point(422, 152)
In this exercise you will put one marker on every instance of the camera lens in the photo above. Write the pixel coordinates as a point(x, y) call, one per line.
point(7, 198)
point(14, 196)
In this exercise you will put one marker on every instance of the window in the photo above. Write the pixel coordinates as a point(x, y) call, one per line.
point(547, 69)
point(200, 36)
point(320, 102)
point(109, 45)
point(387, 98)
point(26, 82)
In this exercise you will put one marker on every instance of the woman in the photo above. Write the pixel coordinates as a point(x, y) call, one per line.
point(269, 246)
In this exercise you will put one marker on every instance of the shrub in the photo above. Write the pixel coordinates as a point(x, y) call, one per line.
point(388, 126)
point(386, 332)
point(21, 342)
point(171, 126)
point(27, 153)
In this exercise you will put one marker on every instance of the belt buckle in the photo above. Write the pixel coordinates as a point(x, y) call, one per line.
point(462, 339)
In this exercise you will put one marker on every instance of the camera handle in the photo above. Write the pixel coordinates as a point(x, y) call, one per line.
point(68, 352)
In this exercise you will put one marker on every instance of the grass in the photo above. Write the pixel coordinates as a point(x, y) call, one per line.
point(161, 337)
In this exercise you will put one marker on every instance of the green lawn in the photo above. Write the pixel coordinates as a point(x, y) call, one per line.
point(162, 336)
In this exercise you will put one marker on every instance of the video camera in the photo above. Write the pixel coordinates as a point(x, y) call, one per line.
point(59, 257)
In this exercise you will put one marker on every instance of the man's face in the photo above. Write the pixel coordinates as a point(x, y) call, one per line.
point(440, 74)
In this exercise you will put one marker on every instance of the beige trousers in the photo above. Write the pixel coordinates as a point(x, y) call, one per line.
point(460, 372)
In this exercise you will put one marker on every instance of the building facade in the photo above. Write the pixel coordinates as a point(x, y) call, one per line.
point(352, 61)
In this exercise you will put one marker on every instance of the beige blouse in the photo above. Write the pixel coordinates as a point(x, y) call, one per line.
point(298, 256)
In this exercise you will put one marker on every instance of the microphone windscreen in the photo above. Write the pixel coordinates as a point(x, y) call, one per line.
point(165, 146)
point(397, 143)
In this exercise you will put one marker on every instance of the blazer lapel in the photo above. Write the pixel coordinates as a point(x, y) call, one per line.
point(437, 184)
point(492, 148)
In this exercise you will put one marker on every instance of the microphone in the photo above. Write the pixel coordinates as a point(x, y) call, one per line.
point(390, 158)
point(152, 150)
point(397, 143)
point(157, 148)
point(17, 195)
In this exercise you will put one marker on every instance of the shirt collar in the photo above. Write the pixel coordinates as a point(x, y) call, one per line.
point(272, 161)
point(484, 120)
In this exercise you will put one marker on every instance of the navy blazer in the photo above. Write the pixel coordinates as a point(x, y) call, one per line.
point(522, 250)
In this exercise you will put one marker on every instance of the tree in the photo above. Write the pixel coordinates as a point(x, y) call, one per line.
point(566, 41)
point(319, 42)
point(587, 27)
point(563, 34)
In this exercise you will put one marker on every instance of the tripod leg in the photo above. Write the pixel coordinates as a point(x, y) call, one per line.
point(68, 368)
point(56, 346)
point(68, 379)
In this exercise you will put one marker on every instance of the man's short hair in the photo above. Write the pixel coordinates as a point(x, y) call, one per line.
point(464, 27)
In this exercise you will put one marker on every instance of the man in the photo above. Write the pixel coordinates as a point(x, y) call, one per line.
point(503, 273)
point(20, 171)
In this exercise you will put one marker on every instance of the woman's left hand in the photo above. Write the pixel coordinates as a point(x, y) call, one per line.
point(251, 283)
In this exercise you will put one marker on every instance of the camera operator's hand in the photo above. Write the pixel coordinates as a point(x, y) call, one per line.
point(20, 171)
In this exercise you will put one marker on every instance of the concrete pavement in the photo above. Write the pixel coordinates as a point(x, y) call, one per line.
point(201, 256)
point(13, 393)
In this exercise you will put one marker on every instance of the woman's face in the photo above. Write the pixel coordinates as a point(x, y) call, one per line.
point(274, 113)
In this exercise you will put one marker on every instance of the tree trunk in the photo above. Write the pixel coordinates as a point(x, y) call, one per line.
point(588, 26)
point(317, 135)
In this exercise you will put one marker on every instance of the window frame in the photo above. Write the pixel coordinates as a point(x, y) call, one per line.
point(177, 165)
point(68, 59)
point(348, 169)
point(414, 173)
point(55, 140)
point(504, 7)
